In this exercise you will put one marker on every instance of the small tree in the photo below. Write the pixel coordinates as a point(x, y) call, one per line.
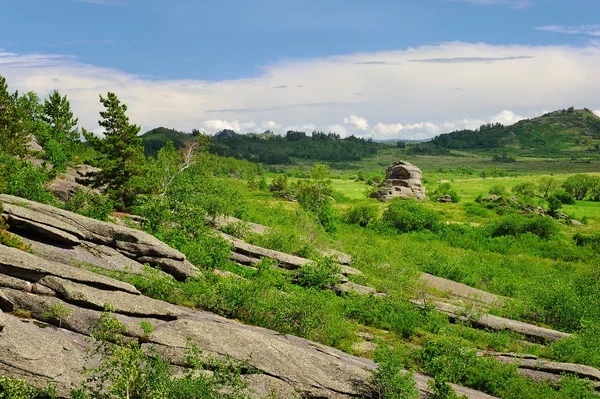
point(14, 118)
point(578, 185)
point(121, 149)
point(60, 135)
point(314, 196)
point(547, 185)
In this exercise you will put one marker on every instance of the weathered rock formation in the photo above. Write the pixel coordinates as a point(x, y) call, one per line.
point(402, 180)
point(39, 348)
point(76, 178)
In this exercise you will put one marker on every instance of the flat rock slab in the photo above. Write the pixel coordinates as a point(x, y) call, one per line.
point(286, 261)
point(16, 263)
point(181, 270)
point(556, 368)
point(460, 290)
point(499, 323)
point(39, 355)
point(127, 239)
point(87, 253)
point(48, 233)
point(41, 218)
point(123, 302)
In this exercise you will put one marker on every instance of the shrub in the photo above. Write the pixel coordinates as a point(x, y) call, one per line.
point(389, 380)
point(526, 189)
point(361, 214)
point(407, 215)
point(498, 190)
point(445, 189)
point(320, 274)
point(19, 389)
point(90, 204)
point(578, 185)
point(565, 197)
point(514, 225)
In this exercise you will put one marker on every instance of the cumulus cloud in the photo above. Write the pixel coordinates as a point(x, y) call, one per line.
point(590, 30)
point(402, 99)
point(506, 118)
point(596, 111)
point(357, 122)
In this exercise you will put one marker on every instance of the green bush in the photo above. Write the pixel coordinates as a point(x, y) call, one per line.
point(361, 214)
point(319, 274)
point(408, 215)
point(389, 380)
point(90, 204)
point(445, 189)
point(565, 197)
point(19, 389)
point(22, 179)
point(514, 225)
point(498, 190)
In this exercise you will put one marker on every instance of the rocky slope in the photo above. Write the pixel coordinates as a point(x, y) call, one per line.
point(37, 347)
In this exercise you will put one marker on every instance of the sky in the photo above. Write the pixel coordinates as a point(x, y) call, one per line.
point(386, 69)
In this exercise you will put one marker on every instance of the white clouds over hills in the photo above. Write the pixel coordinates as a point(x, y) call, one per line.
point(413, 93)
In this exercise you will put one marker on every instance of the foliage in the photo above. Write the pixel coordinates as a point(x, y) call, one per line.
point(280, 186)
point(90, 204)
point(314, 195)
point(361, 214)
point(121, 149)
point(408, 215)
point(23, 179)
point(319, 274)
point(272, 149)
point(564, 197)
point(58, 312)
point(514, 225)
point(547, 186)
point(389, 380)
point(498, 190)
point(525, 189)
point(19, 389)
point(445, 189)
point(578, 185)
point(14, 121)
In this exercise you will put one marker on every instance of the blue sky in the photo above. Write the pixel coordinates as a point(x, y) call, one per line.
point(329, 64)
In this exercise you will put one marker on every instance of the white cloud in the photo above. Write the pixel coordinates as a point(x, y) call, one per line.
point(590, 30)
point(398, 97)
point(506, 118)
point(357, 122)
point(596, 111)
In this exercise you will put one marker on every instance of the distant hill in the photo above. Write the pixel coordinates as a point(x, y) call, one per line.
point(270, 148)
point(562, 133)
point(156, 139)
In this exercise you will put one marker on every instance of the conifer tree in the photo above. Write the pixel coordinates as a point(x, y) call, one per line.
point(14, 132)
point(121, 149)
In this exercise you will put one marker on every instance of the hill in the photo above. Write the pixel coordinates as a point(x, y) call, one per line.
point(270, 148)
point(155, 139)
point(563, 133)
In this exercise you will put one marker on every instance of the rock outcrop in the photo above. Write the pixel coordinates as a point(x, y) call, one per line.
point(402, 180)
point(50, 226)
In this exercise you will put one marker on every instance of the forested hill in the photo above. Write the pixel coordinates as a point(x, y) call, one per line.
point(270, 148)
point(567, 132)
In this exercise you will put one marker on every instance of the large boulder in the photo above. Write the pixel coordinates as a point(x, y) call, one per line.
point(402, 180)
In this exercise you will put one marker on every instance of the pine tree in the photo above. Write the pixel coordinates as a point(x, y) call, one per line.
point(14, 132)
point(59, 133)
point(123, 154)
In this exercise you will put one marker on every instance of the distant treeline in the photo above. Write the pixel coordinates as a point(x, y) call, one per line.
point(272, 149)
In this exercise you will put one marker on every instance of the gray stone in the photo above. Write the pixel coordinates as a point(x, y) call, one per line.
point(127, 239)
point(40, 355)
point(40, 218)
point(402, 180)
point(16, 263)
point(444, 199)
point(350, 271)
point(123, 302)
point(285, 261)
point(355, 288)
point(460, 290)
point(41, 230)
point(181, 270)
